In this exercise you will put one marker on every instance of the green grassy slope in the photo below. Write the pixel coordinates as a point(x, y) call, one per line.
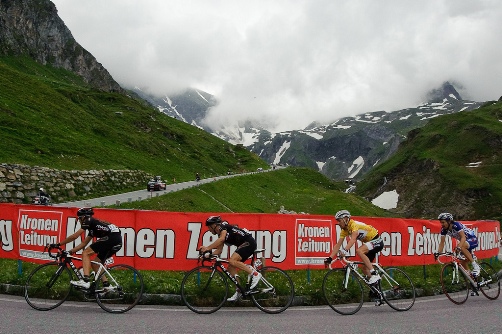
point(49, 117)
point(445, 150)
point(297, 189)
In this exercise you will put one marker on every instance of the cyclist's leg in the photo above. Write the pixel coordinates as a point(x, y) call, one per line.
point(367, 252)
point(105, 248)
point(86, 261)
point(363, 254)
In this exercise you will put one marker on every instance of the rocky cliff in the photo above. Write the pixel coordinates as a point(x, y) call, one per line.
point(33, 28)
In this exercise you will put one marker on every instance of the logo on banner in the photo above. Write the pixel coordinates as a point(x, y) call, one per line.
point(36, 230)
point(313, 241)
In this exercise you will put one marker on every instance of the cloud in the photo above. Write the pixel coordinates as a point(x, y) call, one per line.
point(288, 63)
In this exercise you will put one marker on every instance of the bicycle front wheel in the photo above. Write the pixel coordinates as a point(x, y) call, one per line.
point(455, 285)
point(48, 286)
point(124, 290)
point(397, 289)
point(344, 294)
point(204, 290)
point(488, 281)
point(275, 291)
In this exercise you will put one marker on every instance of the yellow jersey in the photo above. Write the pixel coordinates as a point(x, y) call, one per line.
point(365, 232)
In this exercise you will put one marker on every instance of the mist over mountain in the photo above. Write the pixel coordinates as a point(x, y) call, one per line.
point(344, 149)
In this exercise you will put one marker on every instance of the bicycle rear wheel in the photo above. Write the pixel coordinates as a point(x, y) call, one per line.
point(488, 281)
point(123, 293)
point(455, 285)
point(344, 296)
point(397, 289)
point(274, 292)
point(204, 290)
point(48, 286)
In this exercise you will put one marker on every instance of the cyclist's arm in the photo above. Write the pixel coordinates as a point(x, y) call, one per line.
point(353, 239)
point(462, 236)
point(336, 248)
point(441, 244)
point(82, 245)
point(217, 244)
point(72, 237)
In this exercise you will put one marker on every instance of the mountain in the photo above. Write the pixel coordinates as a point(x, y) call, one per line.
point(32, 28)
point(351, 146)
point(451, 164)
point(60, 109)
point(189, 106)
point(345, 149)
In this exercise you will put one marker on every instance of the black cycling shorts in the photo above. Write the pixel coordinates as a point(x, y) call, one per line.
point(107, 246)
point(246, 249)
point(377, 243)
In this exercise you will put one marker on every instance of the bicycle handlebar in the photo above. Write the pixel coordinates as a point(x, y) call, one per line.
point(341, 258)
point(450, 254)
point(60, 253)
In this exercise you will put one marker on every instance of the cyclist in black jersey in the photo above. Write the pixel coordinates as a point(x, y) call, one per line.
point(246, 245)
point(109, 241)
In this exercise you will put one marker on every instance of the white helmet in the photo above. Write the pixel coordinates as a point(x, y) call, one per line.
point(445, 216)
point(41, 189)
point(342, 214)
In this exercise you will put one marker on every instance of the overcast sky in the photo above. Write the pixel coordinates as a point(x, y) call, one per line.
point(287, 63)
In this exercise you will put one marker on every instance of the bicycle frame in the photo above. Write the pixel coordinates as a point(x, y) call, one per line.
point(67, 260)
point(457, 265)
point(352, 266)
point(217, 262)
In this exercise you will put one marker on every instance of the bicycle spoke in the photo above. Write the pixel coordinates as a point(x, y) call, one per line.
point(275, 291)
point(343, 296)
point(488, 281)
point(124, 291)
point(204, 290)
point(48, 286)
point(397, 289)
point(455, 285)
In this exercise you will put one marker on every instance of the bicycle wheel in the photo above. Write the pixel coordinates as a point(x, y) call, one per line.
point(488, 281)
point(204, 290)
point(275, 291)
point(123, 293)
point(455, 285)
point(48, 286)
point(343, 295)
point(397, 289)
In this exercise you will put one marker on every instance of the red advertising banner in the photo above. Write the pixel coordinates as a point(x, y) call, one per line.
point(158, 240)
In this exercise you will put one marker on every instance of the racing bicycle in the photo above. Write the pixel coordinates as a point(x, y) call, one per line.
point(457, 282)
point(344, 293)
point(48, 285)
point(204, 289)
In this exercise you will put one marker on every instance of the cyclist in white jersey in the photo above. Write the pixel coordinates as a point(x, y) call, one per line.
point(467, 240)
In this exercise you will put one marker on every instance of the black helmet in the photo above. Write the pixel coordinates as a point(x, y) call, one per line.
point(213, 220)
point(85, 212)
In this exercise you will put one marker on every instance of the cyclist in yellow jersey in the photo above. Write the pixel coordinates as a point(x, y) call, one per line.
point(367, 234)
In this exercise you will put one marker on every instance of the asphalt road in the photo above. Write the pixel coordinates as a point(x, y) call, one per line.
point(145, 194)
point(428, 315)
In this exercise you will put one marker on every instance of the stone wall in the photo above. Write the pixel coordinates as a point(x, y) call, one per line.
point(20, 183)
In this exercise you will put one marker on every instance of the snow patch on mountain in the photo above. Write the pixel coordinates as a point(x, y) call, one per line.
point(357, 165)
point(387, 200)
point(285, 146)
